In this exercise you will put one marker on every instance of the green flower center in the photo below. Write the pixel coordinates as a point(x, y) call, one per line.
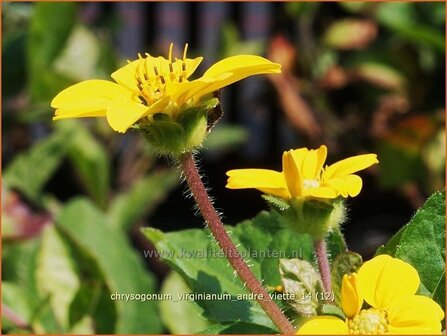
point(368, 322)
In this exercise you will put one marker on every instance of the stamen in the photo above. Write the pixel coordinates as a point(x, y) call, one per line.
point(171, 46)
point(162, 79)
point(143, 99)
point(184, 52)
point(156, 71)
point(183, 75)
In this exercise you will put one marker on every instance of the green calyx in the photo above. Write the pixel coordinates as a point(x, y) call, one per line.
point(315, 217)
point(185, 132)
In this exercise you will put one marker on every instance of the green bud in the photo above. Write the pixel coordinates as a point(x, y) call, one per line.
point(315, 217)
point(174, 135)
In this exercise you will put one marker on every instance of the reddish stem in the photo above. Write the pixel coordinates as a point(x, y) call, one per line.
point(323, 264)
point(220, 234)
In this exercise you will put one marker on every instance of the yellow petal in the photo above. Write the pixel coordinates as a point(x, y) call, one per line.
point(268, 181)
point(348, 185)
point(254, 178)
point(351, 300)
point(82, 109)
point(415, 312)
point(412, 331)
point(243, 66)
point(123, 113)
point(320, 192)
point(298, 156)
point(127, 75)
point(94, 90)
point(384, 279)
point(149, 67)
point(292, 174)
point(223, 73)
point(324, 325)
point(191, 65)
point(350, 165)
point(181, 92)
point(279, 192)
point(313, 163)
point(236, 68)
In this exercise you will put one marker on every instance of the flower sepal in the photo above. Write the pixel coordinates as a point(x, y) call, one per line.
point(314, 216)
point(171, 135)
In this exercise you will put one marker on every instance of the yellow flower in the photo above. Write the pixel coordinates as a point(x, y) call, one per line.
point(303, 175)
point(388, 285)
point(150, 85)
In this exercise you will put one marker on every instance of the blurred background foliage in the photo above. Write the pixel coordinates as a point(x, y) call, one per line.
point(357, 76)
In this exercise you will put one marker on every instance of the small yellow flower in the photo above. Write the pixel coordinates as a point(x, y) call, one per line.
point(303, 175)
point(150, 85)
point(388, 285)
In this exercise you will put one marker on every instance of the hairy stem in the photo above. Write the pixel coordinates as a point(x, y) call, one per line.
point(323, 264)
point(216, 227)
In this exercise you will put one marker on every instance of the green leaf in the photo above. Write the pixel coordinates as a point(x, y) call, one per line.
point(224, 138)
point(262, 241)
point(401, 18)
point(15, 299)
point(50, 27)
point(13, 52)
point(180, 316)
point(332, 310)
point(300, 279)
point(288, 245)
point(47, 155)
point(336, 244)
point(19, 265)
point(56, 275)
point(196, 257)
point(422, 244)
point(92, 299)
point(240, 328)
point(90, 161)
point(80, 42)
point(123, 271)
point(144, 195)
point(83, 327)
point(345, 263)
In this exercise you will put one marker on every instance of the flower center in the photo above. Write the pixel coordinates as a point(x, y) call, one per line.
point(152, 74)
point(308, 184)
point(368, 322)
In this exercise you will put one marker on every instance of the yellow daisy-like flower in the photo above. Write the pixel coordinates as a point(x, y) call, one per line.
point(304, 175)
point(388, 285)
point(150, 85)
